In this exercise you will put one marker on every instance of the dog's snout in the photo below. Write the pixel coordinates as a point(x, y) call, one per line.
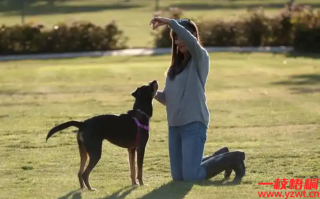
point(155, 85)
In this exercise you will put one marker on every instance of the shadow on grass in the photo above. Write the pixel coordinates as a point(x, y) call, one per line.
point(306, 55)
point(121, 193)
point(303, 83)
point(214, 6)
point(32, 9)
point(72, 195)
point(305, 90)
point(301, 80)
point(172, 190)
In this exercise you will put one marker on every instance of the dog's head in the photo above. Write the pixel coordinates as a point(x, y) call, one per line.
point(146, 92)
point(143, 99)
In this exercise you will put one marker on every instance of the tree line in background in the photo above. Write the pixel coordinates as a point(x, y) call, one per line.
point(296, 26)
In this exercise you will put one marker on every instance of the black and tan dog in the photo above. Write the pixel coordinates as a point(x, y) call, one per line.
point(130, 130)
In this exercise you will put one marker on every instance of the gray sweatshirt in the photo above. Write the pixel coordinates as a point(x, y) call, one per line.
point(184, 97)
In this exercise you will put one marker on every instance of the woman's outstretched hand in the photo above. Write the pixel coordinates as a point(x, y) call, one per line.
point(159, 21)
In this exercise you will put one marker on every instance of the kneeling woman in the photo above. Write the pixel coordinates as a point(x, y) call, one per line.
point(187, 111)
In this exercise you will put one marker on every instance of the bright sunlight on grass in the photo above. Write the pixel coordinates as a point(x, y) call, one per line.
point(267, 105)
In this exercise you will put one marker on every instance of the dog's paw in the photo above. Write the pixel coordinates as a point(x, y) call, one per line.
point(93, 189)
point(134, 183)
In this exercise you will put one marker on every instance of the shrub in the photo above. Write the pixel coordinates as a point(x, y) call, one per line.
point(77, 37)
point(298, 26)
point(306, 29)
point(225, 33)
point(281, 30)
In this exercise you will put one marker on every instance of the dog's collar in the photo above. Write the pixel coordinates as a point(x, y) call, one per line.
point(143, 113)
point(145, 127)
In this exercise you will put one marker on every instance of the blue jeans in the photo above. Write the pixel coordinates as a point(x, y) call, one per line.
point(186, 147)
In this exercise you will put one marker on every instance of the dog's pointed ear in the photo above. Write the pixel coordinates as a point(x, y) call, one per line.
point(134, 93)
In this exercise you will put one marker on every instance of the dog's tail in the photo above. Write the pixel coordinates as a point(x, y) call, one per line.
point(63, 126)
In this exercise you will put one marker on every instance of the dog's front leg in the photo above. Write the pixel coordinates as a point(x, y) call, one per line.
point(132, 154)
point(140, 157)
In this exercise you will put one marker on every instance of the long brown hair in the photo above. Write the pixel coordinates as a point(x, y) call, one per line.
point(178, 63)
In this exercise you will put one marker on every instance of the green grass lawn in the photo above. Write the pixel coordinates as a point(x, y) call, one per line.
point(133, 17)
point(267, 105)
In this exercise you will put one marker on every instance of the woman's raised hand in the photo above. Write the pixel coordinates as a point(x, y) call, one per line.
point(159, 21)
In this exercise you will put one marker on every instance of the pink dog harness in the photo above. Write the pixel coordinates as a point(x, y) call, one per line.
point(140, 126)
